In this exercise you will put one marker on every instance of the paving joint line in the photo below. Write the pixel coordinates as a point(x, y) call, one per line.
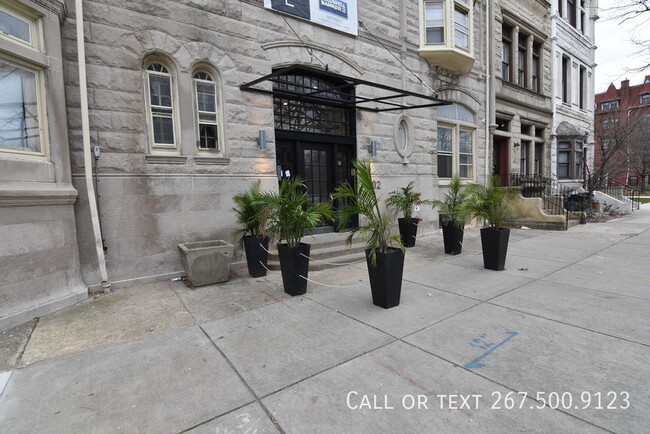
point(19, 360)
point(241, 378)
point(569, 324)
point(456, 365)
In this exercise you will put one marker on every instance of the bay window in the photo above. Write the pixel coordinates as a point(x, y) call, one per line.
point(446, 34)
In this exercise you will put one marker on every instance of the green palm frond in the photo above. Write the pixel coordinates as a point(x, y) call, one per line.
point(453, 206)
point(289, 215)
point(405, 198)
point(250, 213)
point(490, 201)
point(362, 199)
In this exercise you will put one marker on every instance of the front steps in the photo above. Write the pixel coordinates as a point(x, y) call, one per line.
point(327, 251)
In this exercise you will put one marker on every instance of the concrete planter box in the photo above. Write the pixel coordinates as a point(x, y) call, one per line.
point(206, 262)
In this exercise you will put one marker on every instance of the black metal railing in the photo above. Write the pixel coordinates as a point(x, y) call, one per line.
point(555, 199)
point(623, 192)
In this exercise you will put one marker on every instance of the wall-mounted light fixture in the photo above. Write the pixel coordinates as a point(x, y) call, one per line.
point(516, 145)
point(261, 140)
point(372, 149)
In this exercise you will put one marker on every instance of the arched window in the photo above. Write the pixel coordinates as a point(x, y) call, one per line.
point(161, 107)
point(456, 138)
point(205, 92)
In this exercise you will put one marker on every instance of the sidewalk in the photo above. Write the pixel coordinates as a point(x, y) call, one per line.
point(467, 350)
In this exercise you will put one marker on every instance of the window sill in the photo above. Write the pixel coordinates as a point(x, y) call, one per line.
point(454, 59)
point(209, 160)
point(165, 159)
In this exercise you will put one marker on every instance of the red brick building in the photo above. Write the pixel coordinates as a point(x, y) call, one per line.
point(622, 133)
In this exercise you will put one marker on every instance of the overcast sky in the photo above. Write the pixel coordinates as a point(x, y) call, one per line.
point(616, 52)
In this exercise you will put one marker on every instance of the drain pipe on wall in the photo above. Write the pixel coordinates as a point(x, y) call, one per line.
point(490, 102)
point(88, 165)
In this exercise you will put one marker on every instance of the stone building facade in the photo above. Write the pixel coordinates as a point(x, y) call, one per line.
point(174, 134)
point(573, 50)
point(39, 256)
point(522, 89)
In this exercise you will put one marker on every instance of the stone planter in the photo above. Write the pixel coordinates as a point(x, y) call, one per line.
point(206, 262)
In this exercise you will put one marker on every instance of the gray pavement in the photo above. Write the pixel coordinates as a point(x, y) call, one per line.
point(467, 350)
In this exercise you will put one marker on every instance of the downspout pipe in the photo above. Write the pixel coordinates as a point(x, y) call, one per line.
point(489, 87)
point(88, 165)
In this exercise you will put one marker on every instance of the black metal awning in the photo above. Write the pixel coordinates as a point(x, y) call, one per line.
point(340, 95)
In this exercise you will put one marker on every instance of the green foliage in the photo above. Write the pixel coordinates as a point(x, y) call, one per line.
point(454, 207)
point(490, 201)
point(250, 212)
point(404, 199)
point(288, 213)
point(361, 198)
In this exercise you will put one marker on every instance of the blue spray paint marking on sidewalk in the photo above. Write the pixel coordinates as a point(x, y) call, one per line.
point(489, 346)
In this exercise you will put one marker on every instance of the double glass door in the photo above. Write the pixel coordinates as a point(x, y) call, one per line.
point(322, 166)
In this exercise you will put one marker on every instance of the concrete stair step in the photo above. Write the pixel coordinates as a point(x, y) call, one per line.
point(327, 251)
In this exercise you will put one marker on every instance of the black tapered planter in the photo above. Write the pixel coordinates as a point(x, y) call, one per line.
point(386, 277)
point(257, 255)
point(495, 247)
point(452, 236)
point(294, 263)
point(408, 230)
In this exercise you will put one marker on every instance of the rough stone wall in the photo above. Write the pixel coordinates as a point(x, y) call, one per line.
point(148, 206)
point(39, 260)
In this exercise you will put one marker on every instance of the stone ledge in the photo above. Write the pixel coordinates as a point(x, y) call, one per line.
point(211, 160)
point(165, 159)
point(36, 194)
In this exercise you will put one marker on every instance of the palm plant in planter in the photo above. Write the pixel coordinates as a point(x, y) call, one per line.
point(289, 219)
point(453, 211)
point(250, 212)
point(384, 249)
point(490, 202)
point(404, 200)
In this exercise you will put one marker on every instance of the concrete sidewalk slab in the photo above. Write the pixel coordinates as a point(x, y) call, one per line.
point(110, 319)
point(379, 393)
point(617, 262)
point(603, 312)
point(208, 303)
point(547, 357)
point(627, 247)
point(473, 282)
point(616, 282)
point(419, 307)
point(520, 266)
point(250, 419)
point(283, 343)
point(165, 383)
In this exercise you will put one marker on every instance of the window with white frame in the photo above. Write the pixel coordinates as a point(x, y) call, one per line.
point(434, 22)
point(446, 34)
point(22, 101)
point(18, 27)
point(21, 129)
point(161, 106)
point(455, 145)
point(205, 91)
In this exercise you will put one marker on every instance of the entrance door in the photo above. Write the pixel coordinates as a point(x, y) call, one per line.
point(500, 163)
point(322, 166)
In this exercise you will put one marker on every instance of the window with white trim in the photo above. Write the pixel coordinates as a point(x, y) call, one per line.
point(205, 91)
point(455, 145)
point(446, 34)
point(434, 15)
point(18, 27)
point(21, 129)
point(644, 98)
point(160, 98)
